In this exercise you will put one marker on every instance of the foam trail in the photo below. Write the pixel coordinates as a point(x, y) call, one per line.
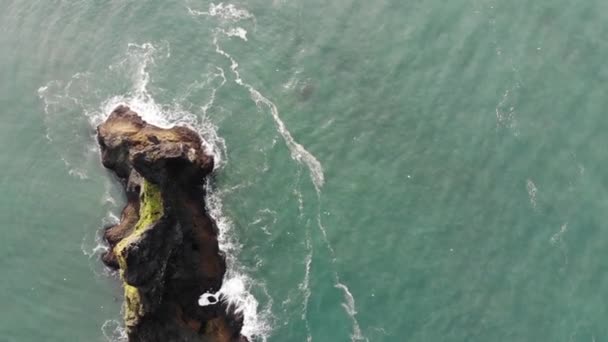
point(266, 219)
point(300, 155)
point(349, 305)
point(211, 101)
point(305, 286)
point(297, 151)
point(226, 12)
point(557, 237)
point(298, 194)
point(532, 192)
point(100, 245)
point(113, 331)
point(238, 32)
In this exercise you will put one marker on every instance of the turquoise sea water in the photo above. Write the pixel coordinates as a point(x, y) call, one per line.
point(389, 170)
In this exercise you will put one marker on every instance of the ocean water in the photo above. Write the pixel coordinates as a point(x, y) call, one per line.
point(388, 170)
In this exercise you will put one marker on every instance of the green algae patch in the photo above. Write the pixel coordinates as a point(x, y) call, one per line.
point(150, 211)
point(133, 306)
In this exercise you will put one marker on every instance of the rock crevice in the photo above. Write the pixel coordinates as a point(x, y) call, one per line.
point(165, 246)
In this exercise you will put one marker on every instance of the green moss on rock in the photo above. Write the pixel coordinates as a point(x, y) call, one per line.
point(133, 307)
point(150, 211)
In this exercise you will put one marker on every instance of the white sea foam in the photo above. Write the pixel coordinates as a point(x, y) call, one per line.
point(238, 32)
point(211, 100)
point(223, 11)
point(298, 193)
point(207, 299)
point(293, 81)
point(97, 246)
point(349, 306)
point(265, 219)
point(532, 192)
point(114, 331)
point(64, 102)
point(505, 110)
point(137, 62)
point(74, 171)
point(557, 237)
point(108, 198)
point(78, 173)
point(304, 286)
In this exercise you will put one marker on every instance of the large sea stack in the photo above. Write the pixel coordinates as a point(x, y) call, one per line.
point(165, 246)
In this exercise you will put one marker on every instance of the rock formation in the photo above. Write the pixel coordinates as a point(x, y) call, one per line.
point(165, 246)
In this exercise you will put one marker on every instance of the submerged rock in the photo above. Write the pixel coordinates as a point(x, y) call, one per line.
point(165, 246)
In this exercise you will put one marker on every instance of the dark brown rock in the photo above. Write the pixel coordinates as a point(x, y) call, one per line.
point(165, 245)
